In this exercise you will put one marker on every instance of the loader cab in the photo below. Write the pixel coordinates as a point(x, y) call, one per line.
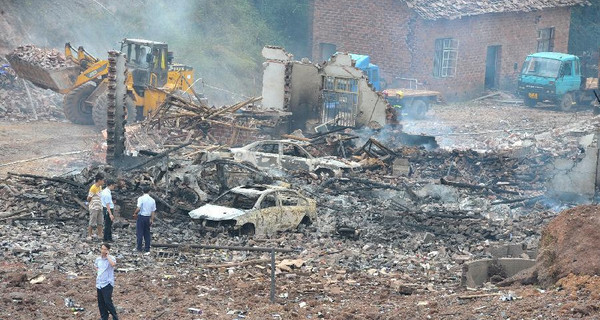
point(148, 63)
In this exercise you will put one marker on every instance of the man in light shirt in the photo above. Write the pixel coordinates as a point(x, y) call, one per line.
point(105, 281)
point(108, 208)
point(146, 206)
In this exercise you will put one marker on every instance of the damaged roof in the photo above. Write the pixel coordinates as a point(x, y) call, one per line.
point(455, 9)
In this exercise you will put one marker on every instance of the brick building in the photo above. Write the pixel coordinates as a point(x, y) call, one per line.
point(457, 47)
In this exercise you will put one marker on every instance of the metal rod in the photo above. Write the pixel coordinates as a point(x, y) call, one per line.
point(272, 276)
point(238, 248)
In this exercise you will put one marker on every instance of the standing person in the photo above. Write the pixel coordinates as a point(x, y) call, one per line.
point(95, 206)
point(105, 281)
point(146, 206)
point(108, 208)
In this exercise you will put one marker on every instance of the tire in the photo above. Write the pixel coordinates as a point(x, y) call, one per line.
point(74, 106)
point(99, 111)
point(418, 109)
point(530, 102)
point(247, 230)
point(566, 103)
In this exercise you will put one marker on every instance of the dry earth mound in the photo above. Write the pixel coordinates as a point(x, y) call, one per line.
point(570, 244)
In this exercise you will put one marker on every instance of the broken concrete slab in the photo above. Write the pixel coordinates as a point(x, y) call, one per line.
point(575, 180)
point(478, 272)
point(508, 251)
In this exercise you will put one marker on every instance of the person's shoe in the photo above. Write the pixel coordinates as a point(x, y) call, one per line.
point(88, 238)
point(147, 253)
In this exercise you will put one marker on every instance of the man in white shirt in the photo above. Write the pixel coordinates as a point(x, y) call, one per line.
point(108, 208)
point(146, 206)
point(105, 281)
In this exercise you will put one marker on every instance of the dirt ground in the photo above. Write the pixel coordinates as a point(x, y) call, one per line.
point(46, 148)
point(165, 284)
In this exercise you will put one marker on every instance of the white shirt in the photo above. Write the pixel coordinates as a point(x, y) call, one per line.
point(106, 272)
point(106, 198)
point(146, 204)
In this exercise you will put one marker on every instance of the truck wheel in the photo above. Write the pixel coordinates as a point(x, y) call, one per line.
point(566, 103)
point(74, 106)
point(418, 109)
point(530, 102)
point(99, 112)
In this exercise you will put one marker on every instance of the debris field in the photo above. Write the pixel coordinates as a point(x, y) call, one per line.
point(401, 231)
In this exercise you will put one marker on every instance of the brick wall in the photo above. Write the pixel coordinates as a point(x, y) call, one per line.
point(376, 28)
point(402, 43)
point(515, 33)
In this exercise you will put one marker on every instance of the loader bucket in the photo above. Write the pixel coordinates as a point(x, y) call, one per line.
point(59, 79)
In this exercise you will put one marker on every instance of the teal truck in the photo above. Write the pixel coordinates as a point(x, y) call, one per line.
point(564, 79)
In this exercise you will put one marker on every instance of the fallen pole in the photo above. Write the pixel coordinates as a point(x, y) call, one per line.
point(25, 175)
point(43, 157)
point(236, 248)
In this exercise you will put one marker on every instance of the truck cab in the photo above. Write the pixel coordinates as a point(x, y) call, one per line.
point(363, 62)
point(550, 76)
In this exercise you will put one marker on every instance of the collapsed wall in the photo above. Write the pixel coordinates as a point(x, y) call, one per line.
point(335, 93)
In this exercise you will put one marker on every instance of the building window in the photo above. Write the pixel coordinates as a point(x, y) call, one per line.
point(446, 54)
point(326, 50)
point(545, 40)
point(340, 101)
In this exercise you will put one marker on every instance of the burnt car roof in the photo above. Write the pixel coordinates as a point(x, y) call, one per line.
point(257, 189)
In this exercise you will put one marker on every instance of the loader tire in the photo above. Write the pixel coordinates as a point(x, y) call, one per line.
point(74, 106)
point(99, 111)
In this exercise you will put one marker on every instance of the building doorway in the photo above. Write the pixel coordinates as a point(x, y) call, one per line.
point(492, 67)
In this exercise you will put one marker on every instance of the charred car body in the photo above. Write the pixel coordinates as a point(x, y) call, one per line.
point(286, 155)
point(261, 209)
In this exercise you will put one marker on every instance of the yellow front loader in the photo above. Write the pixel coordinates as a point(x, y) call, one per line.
point(150, 74)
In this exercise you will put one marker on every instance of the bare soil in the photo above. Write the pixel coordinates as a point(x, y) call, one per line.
point(44, 147)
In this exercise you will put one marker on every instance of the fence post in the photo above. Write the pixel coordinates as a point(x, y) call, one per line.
point(272, 276)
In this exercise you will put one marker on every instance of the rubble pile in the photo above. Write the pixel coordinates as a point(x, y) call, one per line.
point(180, 120)
point(21, 103)
point(45, 58)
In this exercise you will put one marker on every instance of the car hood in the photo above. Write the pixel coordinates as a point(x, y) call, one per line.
point(215, 213)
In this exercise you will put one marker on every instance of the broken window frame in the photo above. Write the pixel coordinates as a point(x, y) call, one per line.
point(270, 199)
point(285, 196)
point(340, 101)
point(445, 58)
point(545, 40)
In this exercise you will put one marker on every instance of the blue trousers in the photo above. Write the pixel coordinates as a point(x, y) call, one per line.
point(142, 230)
point(105, 303)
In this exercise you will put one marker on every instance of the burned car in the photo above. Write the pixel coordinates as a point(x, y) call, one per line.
point(260, 209)
point(290, 155)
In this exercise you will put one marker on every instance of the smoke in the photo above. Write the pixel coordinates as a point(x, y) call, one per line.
point(221, 40)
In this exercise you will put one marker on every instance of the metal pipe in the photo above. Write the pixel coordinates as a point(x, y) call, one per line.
point(272, 296)
point(238, 248)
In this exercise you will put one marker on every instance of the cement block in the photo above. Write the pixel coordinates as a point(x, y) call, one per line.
point(476, 273)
